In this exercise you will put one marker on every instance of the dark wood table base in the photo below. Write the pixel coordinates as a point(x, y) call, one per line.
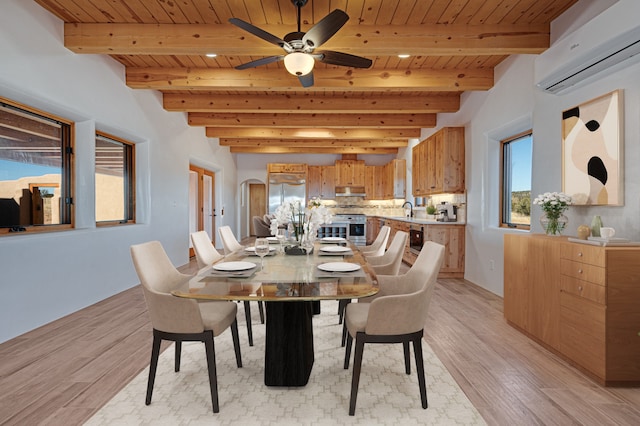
point(289, 343)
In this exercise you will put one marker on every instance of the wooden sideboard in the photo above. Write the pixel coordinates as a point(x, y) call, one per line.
point(580, 301)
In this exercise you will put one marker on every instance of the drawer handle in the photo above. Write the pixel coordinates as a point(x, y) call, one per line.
point(580, 288)
point(579, 271)
point(580, 254)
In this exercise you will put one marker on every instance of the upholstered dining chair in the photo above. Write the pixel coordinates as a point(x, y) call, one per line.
point(396, 314)
point(387, 264)
point(229, 241)
point(207, 255)
point(180, 320)
point(379, 245)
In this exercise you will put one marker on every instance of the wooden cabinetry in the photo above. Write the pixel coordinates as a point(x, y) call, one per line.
point(394, 181)
point(286, 168)
point(450, 236)
point(370, 182)
point(580, 301)
point(439, 162)
point(372, 228)
point(321, 182)
point(453, 238)
point(350, 172)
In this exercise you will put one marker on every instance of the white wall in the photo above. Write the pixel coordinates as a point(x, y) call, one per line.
point(513, 105)
point(48, 275)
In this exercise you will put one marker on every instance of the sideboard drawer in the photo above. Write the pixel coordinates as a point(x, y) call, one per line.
point(590, 291)
point(583, 253)
point(583, 271)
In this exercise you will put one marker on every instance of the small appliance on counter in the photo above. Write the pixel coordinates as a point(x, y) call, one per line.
point(447, 212)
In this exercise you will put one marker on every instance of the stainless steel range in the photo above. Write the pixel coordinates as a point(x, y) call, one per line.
point(357, 227)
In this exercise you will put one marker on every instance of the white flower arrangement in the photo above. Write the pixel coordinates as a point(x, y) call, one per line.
point(304, 221)
point(553, 203)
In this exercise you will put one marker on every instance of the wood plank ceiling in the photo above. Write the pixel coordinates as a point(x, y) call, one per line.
point(454, 46)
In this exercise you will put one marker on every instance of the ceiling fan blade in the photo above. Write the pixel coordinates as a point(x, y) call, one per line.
point(306, 80)
point(259, 33)
point(325, 29)
point(258, 62)
point(344, 59)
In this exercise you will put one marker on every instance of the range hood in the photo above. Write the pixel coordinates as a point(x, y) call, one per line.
point(350, 191)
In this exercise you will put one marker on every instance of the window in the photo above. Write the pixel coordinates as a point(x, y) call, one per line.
point(115, 190)
point(35, 169)
point(516, 181)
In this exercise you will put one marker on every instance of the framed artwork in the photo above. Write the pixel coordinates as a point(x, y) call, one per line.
point(592, 151)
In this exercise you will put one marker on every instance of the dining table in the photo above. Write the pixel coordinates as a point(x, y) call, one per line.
point(289, 283)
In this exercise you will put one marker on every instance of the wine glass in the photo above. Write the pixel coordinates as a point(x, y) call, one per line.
point(262, 249)
point(281, 235)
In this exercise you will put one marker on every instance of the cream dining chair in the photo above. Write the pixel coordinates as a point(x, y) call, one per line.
point(207, 255)
point(396, 314)
point(387, 264)
point(180, 320)
point(379, 245)
point(229, 241)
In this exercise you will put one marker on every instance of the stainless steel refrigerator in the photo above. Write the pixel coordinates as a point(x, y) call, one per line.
point(286, 187)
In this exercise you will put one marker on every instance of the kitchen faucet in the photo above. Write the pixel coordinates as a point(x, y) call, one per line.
point(410, 206)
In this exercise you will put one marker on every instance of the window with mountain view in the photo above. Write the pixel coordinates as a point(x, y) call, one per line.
point(516, 181)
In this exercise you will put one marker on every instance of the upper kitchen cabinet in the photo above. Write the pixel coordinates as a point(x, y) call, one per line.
point(321, 181)
point(438, 163)
point(397, 183)
point(350, 173)
point(286, 168)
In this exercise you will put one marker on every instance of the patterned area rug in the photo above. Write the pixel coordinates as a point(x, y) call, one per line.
point(387, 396)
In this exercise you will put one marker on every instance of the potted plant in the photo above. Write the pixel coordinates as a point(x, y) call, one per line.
point(431, 210)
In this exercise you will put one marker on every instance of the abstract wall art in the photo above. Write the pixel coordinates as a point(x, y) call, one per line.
point(592, 151)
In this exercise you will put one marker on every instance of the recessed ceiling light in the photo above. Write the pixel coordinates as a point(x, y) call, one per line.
point(403, 56)
point(211, 55)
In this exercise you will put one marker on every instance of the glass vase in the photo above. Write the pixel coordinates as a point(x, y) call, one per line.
point(553, 225)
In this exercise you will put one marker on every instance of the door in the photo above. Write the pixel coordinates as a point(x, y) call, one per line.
point(201, 202)
point(257, 203)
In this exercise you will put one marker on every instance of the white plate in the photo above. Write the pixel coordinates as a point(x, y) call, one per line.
point(335, 249)
point(253, 249)
point(233, 266)
point(333, 239)
point(272, 239)
point(339, 267)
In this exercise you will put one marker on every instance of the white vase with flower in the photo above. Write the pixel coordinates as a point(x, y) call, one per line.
point(553, 205)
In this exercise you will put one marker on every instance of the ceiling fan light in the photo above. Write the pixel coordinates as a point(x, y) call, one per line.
point(298, 63)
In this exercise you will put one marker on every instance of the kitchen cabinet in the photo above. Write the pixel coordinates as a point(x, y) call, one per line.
point(579, 301)
point(373, 227)
point(350, 172)
point(370, 182)
point(286, 168)
point(321, 182)
point(395, 177)
point(439, 163)
point(452, 237)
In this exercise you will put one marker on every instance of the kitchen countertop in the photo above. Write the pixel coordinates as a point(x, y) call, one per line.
point(420, 221)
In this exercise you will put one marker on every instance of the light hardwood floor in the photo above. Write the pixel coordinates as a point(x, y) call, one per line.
point(60, 374)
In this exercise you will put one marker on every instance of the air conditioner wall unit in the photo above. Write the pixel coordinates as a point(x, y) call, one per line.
point(606, 41)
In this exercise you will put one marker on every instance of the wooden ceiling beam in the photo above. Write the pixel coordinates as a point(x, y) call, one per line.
point(374, 121)
point(339, 78)
point(310, 150)
point(315, 143)
point(281, 103)
point(364, 40)
point(310, 133)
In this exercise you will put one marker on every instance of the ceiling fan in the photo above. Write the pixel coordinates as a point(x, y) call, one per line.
point(300, 47)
